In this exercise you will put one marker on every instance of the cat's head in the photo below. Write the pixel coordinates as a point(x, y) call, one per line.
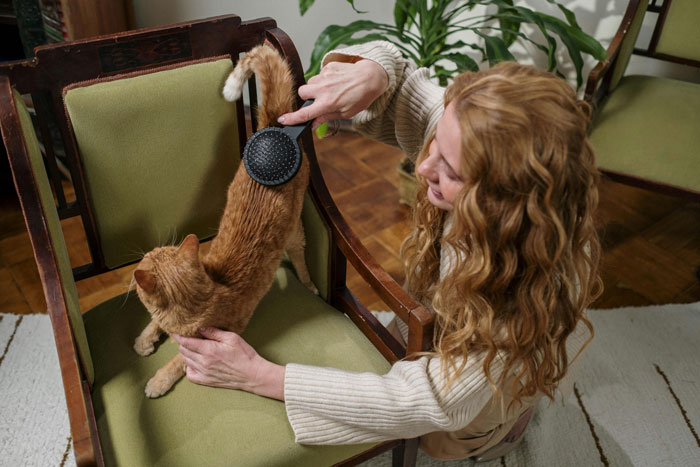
point(171, 280)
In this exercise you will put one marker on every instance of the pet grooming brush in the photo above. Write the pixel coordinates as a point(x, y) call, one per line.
point(272, 155)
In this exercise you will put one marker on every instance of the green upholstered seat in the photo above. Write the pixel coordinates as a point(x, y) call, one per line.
point(196, 425)
point(649, 128)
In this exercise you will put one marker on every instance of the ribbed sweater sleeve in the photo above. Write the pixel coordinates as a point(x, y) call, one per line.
point(410, 107)
point(329, 406)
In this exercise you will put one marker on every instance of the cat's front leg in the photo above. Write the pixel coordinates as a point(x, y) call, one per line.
point(166, 377)
point(145, 343)
point(295, 249)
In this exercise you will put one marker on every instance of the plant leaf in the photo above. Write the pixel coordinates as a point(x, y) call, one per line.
point(496, 50)
point(335, 35)
point(463, 62)
point(509, 24)
point(304, 6)
point(352, 3)
point(570, 16)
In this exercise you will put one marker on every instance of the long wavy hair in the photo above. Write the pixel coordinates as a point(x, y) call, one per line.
point(524, 249)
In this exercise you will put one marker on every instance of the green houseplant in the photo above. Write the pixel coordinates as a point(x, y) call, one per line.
point(432, 33)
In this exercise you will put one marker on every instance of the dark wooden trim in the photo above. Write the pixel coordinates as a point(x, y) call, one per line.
point(406, 454)
point(658, 28)
point(667, 58)
point(350, 247)
point(389, 347)
point(85, 441)
point(42, 113)
point(317, 187)
point(601, 74)
point(79, 60)
point(652, 185)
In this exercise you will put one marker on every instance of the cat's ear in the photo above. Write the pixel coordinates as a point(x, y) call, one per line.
point(189, 248)
point(145, 280)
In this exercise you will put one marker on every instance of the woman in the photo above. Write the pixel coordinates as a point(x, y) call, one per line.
point(503, 250)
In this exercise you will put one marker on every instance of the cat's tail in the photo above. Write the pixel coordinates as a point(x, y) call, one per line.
point(235, 81)
point(262, 60)
point(275, 79)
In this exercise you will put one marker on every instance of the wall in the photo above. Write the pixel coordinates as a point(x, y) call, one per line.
point(600, 18)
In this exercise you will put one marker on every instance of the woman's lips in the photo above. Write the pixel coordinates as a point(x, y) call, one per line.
point(436, 193)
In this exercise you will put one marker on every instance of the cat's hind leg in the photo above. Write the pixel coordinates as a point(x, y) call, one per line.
point(295, 248)
point(166, 377)
point(145, 343)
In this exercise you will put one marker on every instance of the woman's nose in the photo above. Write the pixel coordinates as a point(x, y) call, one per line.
point(426, 168)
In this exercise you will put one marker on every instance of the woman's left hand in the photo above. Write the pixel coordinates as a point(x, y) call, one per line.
point(223, 359)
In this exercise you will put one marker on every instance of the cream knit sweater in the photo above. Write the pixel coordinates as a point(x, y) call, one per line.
point(330, 406)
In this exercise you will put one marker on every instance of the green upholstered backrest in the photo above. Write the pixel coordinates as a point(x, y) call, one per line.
point(317, 251)
point(158, 151)
point(627, 45)
point(58, 242)
point(680, 36)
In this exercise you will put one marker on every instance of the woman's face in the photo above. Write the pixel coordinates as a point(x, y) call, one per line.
point(441, 168)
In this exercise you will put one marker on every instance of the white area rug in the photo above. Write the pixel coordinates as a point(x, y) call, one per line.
point(636, 400)
point(34, 428)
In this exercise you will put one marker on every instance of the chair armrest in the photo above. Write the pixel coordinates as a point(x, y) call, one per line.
point(599, 77)
point(82, 421)
point(419, 319)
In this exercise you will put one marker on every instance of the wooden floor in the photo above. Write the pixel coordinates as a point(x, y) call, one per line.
point(651, 242)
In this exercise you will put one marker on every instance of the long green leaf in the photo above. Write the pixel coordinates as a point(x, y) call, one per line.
point(568, 14)
point(401, 14)
point(463, 62)
point(304, 5)
point(496, 50)
point(510, 25)
point(352, 3)
point(584, 42)
point(562, 30)
point(333, 36)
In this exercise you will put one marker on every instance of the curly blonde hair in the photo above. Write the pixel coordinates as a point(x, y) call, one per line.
point(526, 252)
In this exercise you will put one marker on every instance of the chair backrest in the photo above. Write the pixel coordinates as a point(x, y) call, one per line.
point(675, 38)
point(157, 150)
point(636, 11)
point(676, 35)
point(150, 142)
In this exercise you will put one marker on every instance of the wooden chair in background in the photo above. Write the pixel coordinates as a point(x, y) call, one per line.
point(151, 147)
point(645, 129)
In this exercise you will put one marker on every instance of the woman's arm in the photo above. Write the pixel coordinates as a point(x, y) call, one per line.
point(330, 406)
point(402, 115)
point(223, 359)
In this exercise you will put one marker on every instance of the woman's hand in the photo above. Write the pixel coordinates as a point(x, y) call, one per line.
point(341, 90)
point(223, 359)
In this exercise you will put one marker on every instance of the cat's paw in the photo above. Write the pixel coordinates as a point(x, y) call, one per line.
point(143, 346)
point(312, 288)
point(157, 386)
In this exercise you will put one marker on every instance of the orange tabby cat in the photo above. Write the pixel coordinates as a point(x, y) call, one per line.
point(183, 293)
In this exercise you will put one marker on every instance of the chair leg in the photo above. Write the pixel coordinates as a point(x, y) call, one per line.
point(404, 455)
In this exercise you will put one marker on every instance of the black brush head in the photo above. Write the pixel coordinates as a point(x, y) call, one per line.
point(272, 157)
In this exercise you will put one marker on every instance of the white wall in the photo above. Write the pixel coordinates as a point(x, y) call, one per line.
point(600, 18)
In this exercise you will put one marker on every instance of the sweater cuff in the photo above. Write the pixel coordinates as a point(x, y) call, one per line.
point(388, 56)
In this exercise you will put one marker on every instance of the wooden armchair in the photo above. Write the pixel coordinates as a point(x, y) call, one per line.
point(645, 128)
point(151, 146)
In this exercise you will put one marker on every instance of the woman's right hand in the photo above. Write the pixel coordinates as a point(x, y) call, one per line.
point(341, 90)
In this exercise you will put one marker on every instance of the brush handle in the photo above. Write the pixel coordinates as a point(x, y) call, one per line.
point(294, 131)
